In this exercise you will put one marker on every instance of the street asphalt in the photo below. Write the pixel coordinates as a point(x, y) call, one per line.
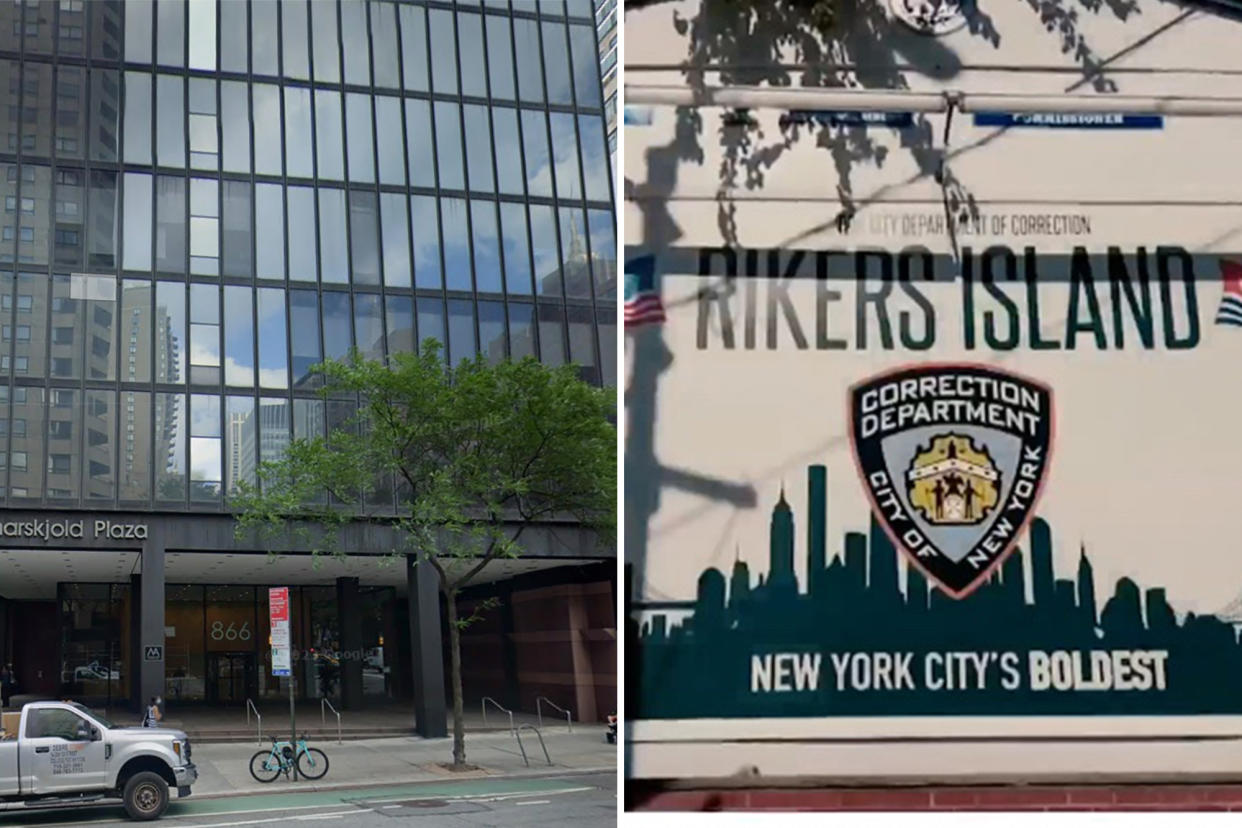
point(587, 800)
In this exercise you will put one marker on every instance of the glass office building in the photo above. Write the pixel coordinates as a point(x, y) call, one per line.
point(202, 200)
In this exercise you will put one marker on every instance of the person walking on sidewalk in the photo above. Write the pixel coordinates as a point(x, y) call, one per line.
point(8, 680)
point(153, 715)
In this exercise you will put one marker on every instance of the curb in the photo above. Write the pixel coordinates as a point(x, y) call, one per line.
point(541, 773)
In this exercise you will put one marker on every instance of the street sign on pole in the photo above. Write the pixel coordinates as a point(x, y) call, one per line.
point(278, 607)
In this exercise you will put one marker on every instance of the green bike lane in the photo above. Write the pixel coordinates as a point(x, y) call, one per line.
point(294, 802)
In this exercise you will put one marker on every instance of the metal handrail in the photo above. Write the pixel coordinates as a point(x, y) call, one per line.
point(323, 717)
point(539, 711)
point(250, 706)
point(518, 735)
point(487, 699)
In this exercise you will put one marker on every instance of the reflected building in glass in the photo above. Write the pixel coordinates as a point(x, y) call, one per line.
point(204, 199)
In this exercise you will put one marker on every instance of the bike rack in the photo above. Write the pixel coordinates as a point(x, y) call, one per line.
point(250, 706)
point(539, 710)
point(323, 717)
point(487, 699)
point(518, 734)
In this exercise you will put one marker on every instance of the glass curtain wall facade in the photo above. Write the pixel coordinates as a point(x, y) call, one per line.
point(203, 199)
point(606, 34)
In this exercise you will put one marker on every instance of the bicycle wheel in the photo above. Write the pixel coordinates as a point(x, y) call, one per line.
point(264, 766)
point(313, 764)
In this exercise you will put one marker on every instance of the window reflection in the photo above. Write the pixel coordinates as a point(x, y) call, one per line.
point(330, 143)
point(607, 323)
point(575, 266)
point(430, 321)
point(274, 422)
point(479, 148)
point(203, 43)
point(492, 339)
point(456, 243)
point(304, 334)
point(354, 39)
point(137, 118)
point(169, 433)
point(413, 47)
point(264, 40)
point(102, 229)
point(538, 159)
point(273, 351)
point(233, 45)
point(205, 448)
point(389, 138)
point(551, 334)
point(269, 214)
point(238, 335)
point(369, 325)
point(358, 137)
point(205, 226)
point(137, 221)
point(556, 64)
point(30, 356)
point(204, 335)
point(448, 146)
point(64, 430)
point(399, 312)
point(460, 330)
point(105, 104)
point(170, 224)
point(139, 30)
point(425, 228)
point(500, 57)
point(487, 274)
point(327, 53)
point(135, 454)
point(70, 199)
point(394, 224)
point(384, 39)
point(419, 145)
point(293, 39)
point(333, 254)
point(508, 150)
point(170, 339)
point(527, 49)
point(521, 330)
point(443, 55)
point(594, 157)
point(547, 261)
point(565, 152)
point(582, 343)
point(267, 141)
point(516, 248)
point(99, 452)
point(364, 238)
point(470, 48)
point(337, 334)
point(235, 229)
point(241, 443)
point(70, 114)
point(170, 33)
point(235, 125)
point(204, 144)
point(302, 260)
point(586, 64)
point(298, 161)
point(26, 451)
point(603, 254)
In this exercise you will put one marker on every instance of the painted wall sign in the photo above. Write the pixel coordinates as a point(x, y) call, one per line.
point(1069, 120)
point(826, 117)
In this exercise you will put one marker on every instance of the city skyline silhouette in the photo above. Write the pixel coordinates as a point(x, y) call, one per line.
point(700, 665)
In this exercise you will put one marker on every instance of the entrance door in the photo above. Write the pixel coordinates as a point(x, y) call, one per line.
point(230, 677)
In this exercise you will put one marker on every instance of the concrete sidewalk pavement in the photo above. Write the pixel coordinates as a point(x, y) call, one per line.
point(224, 768)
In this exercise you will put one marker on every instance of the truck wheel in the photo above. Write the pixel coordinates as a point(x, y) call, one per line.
point(146, 796)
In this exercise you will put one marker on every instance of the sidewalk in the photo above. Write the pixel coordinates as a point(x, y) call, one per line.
point(224, 768)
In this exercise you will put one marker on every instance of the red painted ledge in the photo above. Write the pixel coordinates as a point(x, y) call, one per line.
point(977, 798)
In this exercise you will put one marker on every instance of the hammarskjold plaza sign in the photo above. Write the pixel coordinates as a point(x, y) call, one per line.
point(76, 529)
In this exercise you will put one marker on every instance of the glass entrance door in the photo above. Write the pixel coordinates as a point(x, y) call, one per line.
point(230, 677)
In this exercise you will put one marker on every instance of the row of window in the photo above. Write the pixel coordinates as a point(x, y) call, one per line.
point(81, 327)
point(303, 133)
point(237, 230)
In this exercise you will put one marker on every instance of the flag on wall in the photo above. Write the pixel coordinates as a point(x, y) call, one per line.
point(642, 297)
point(1230, 312)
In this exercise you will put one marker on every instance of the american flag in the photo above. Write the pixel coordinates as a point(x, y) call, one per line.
point(1230, 312)
point(642, 298)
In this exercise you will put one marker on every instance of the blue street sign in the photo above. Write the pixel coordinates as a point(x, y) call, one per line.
point(830, 117)
point(1069, 120)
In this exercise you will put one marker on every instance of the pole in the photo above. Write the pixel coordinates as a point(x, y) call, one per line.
point(293, 725)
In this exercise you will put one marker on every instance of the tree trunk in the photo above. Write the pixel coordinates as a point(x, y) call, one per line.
point(459, 727)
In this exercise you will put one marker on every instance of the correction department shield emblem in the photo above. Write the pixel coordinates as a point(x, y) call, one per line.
point(953, 459)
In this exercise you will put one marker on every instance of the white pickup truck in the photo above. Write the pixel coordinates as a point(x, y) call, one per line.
point(66, 754)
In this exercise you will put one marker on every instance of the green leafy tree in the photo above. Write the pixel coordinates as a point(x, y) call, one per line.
point(477, 454)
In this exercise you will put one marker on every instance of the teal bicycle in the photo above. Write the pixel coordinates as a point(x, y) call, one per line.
point(266, 765)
